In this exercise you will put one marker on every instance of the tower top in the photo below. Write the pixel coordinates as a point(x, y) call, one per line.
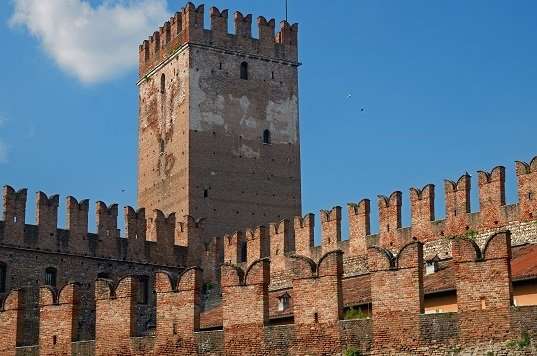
point(187, 28)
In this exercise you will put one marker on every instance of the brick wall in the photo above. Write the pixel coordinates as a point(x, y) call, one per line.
point(396, 296)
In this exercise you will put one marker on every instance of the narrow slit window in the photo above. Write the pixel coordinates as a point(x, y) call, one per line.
point(3, 277)
point(163, 83)
point(161, 143)
point(244, 71)
point(143, 290)
point(266, 137)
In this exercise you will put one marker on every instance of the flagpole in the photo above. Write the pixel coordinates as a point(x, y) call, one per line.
point(286, 18)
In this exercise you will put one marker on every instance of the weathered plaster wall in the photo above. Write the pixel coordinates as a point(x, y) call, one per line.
point(163, 138)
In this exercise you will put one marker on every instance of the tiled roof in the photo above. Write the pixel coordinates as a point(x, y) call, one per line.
point(356, 290)
point(524, 262)
point(523, 267)
point(440, 281)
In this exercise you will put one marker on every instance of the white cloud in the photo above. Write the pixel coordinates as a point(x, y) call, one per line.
point(94, 43)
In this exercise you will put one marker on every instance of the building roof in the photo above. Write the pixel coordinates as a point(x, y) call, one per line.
point(524, 262)
point(356, 289)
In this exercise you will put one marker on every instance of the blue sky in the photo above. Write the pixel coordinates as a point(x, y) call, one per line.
point(446, 87)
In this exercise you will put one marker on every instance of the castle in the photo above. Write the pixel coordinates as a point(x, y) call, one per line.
point(219, 152)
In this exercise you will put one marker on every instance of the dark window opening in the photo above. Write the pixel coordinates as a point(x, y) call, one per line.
point(206, 193)
point(3, 276)
point(530, 196)
point(50, 276)
point(103, 275)
point(162, 83)
point(272, 75)
point(143, 290)
point(266, 137)
point(220, 66)
point(244, 251)
point(244, 71)
point(161, 143)
point(54, 340)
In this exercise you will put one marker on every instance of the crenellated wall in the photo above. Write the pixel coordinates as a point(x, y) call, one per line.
point(187, 27)
point(286, 238)
point(485, 320)
point(155, 239)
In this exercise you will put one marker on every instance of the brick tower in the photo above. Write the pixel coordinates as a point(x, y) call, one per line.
point(218, 121)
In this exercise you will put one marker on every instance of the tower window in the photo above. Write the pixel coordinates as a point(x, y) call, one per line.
point(244, 70)
point(283, 302)
point(50, 276)
point(3, 275)
point(162, 83)
point(161, 143)
point(206, 193)
point(266, 137)
point(143, 290)
point(244, 251)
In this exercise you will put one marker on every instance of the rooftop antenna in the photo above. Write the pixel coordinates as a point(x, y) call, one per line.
point(286, 18)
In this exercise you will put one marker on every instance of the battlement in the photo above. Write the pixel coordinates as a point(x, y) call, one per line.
point(187, 27)
point(156, 239)
point(285, 237)
point(397, 322)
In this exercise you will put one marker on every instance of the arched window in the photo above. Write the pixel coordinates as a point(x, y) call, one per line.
point(50, 276)
point(3, 276)
point(162, 83)
point(244, 70)
point(266, 137)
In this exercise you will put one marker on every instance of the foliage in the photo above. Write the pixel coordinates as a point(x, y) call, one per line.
point(207, 287)
point(353, 313)
point(455, 351)
point(522, 343)
point(351, 351)
point(471, 234)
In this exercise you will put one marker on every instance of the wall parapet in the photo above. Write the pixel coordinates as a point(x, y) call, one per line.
point(187, 27)
point(397, 323)
point(494, 215)
point(149, 238)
